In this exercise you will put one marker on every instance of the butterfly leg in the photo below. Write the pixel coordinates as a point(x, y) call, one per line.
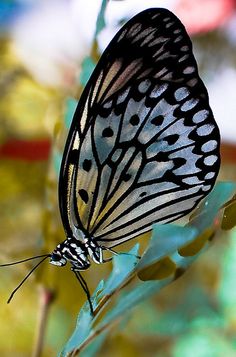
point(85, 288)
point(115, 253)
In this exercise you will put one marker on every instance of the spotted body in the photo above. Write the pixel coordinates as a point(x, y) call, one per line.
point(77, 253)
point(143, 146)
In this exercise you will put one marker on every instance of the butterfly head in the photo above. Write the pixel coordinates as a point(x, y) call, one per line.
point(73, 251)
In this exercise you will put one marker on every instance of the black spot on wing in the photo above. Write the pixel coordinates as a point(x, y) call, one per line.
point(126, 177)
point(87, 165)
point(171, 139)
point(158, 120)
point(134, 120)
point(179, 162)
point(84, 195)
point(161, 157)
point(107, 132)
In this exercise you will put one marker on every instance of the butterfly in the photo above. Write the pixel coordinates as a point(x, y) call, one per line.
point(143, 146)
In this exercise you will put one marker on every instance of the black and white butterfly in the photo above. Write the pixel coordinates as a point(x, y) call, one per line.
point(143, 146)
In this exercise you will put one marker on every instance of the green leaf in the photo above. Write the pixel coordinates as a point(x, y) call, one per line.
point(166, 239)
point(229, 218)
point(93, 348)
point(123, 265)
point(81, 332)
point(141, 292)
point(88, 64)
point(56, 158)
point(129, 300)
point(204, 216)
point(226, 285)
point(197, 244)
point(87, 68)
point(83, 325)
point(100, 19)
point(70, 107)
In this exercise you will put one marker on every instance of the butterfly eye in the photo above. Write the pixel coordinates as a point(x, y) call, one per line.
point(57, 259)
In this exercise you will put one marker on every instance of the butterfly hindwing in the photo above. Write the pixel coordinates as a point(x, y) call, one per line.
point(143, 146)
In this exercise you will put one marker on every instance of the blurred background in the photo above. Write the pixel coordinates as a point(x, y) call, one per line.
point(47, 51)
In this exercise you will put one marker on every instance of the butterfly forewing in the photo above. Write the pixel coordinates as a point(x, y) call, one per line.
point(143, 146)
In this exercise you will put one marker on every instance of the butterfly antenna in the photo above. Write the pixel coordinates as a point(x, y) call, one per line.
point(85, 288)
point(26, 277)
point(25, 260)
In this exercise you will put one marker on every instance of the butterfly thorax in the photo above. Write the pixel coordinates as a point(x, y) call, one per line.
point(77, 252)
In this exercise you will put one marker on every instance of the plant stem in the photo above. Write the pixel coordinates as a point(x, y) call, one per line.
point(45, 299)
